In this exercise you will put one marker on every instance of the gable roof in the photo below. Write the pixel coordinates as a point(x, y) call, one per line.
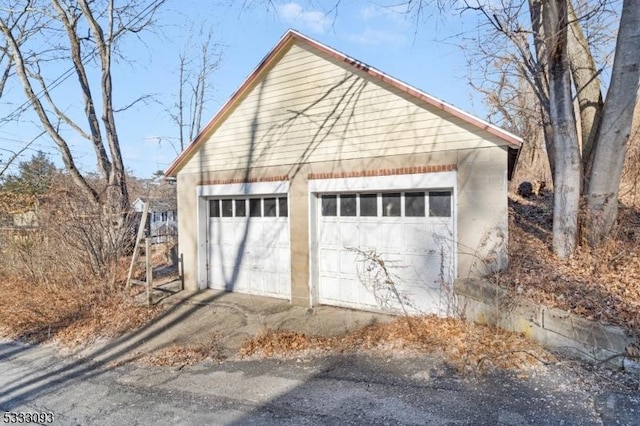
point(291, 37)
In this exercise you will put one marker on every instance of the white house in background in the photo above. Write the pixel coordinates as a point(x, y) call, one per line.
point(163, 216)
point(318, 165)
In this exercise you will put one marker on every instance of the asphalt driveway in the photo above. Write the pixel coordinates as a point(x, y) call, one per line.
point(97, 386)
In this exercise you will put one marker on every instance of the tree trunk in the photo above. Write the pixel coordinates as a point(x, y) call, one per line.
point(615, 127)
point(587, 83)
point(541, 78)
point(568, 171)
point(630, 180)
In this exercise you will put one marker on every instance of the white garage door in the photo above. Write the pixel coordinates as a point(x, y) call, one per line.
point(386, 250)
point(248, 245)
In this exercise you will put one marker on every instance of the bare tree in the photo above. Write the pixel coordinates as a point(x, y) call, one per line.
point(630, 181)
point(588, 90)
point(194, 86)
point(22, 30)
point(512, 102)
point(82, 35)
point(6, 64)
point(553, 45)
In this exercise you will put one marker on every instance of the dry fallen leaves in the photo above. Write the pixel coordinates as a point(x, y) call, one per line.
point(467, 346)
point(602, 284)
point(69, 314)
point(180, 355)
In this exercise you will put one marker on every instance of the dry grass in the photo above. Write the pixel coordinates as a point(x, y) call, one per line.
point(43, 300)
point(601, 284)
point(467, 346)
point(65, 312)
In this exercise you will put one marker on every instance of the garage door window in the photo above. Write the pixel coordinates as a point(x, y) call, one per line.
point(391, 204)
point(269, 207)
point(214, 208)
point(283, 208)
point(329, 205)
point(241, 208)
point(258, 207)
point(414, 205)
point(227, 208)
point(388, 204)
point(440, 204)
point(368, 205)
point(255, 207)
point(348, 205)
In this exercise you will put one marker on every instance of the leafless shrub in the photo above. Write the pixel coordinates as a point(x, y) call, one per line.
point(72, 241)
point(61, 276)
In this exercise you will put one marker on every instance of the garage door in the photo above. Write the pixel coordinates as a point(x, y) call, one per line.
point(248, 245)
point(386, 250)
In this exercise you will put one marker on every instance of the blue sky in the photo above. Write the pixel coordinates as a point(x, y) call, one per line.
point(425, 56)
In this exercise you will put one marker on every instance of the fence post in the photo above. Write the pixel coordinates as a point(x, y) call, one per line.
point(136, 247)
point(149, 266)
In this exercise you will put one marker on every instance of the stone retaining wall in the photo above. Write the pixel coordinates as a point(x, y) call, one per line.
point(483, 302)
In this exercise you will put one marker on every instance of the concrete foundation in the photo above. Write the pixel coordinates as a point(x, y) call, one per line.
point(483, 302)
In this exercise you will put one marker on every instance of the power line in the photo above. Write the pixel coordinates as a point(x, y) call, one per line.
point(79, 151)
point(137, 19)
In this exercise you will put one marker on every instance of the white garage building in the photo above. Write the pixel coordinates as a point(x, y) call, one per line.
point(325, 181)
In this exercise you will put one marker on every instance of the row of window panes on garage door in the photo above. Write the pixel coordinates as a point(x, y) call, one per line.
point(252, 207)
point(406, 204)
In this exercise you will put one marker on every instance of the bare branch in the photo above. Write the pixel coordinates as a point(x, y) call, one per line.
point(194, 73)
point(61, 115)
point(143, 99)
point(16, 154)
point(21, 71)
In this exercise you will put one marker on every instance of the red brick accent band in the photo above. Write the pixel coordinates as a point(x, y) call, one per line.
point(244, 180)
point(339, 175)
point(385, 172)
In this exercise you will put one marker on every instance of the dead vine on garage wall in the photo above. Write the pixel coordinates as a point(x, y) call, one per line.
point(376, 276)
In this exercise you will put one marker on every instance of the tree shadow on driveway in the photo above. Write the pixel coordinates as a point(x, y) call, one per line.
point(96, 362)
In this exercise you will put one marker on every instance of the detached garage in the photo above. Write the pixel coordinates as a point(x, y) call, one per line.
point(325, 181)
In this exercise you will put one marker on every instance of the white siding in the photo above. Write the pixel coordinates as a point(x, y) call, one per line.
point(308, 108)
